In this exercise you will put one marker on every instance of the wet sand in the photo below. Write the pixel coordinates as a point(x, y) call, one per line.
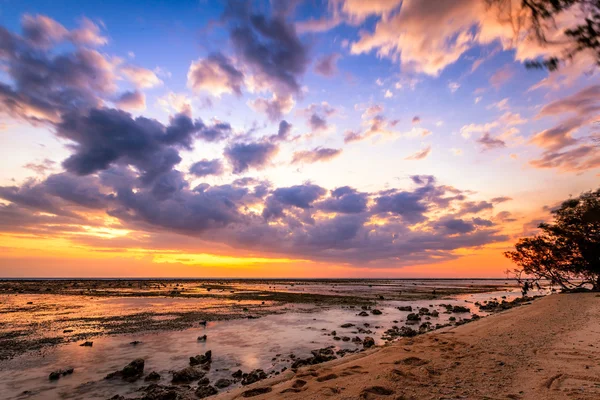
point(37, 314)
point(163, 330)
point(549, 349)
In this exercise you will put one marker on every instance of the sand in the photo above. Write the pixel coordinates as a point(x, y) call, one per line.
point(549, 349)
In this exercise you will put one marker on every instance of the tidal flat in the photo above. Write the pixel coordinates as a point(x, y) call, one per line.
point(97, 327)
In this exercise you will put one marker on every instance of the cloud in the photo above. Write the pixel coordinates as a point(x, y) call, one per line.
point(426, 37)
point(488, 142)
point(269, 48)
point(215, 75)
point(345, 200)
point(317, 115)
point(578, 159)
point(243, 156)
point(207, 167)
point(501, 76)
point(134, 100)
point(275, 107)
point(142, 78)
point(420, 155)
point(46, 83)
point(582, 110)
point(416, 119)
point(453, 86)
point(326, 65)
point(315, 155)
point(44, 32)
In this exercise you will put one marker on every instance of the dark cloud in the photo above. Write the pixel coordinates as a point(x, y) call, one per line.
point(457, 226)
point(268, 45)
point(326, 65)
point(207, 167)
point(315, 155)
point(488, 142)
point(501, 199)
point(243, 156)
point(345, 200)
point(301, 196)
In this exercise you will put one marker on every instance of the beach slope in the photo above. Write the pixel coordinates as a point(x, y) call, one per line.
point(549, 349)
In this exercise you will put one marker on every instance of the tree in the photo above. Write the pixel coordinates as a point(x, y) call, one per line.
point(541, 16)
point(567, 251)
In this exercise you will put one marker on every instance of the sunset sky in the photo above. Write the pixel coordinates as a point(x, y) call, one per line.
point(334, 138)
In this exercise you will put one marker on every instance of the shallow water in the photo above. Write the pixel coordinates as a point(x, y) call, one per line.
point(244, 344)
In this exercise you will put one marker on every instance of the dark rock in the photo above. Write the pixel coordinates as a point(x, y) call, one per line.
point(152, 376)
point(405, 308)
point(460, 309)
point(54, 375)
point(205, 391)
point(202, 359)
point(363, 314)
point(345, 339)
point(368, 341)
point(237, 374)
point(202, 338)
point(87, 344)
point(253, 376)
point(347, 325)
point(257, 391)
point(187, 375)
point(68, 331)
point(202, 323)
point(223, 383)
point(412, 317)
point(135, 343)
point(132, 371)
point(376, 312)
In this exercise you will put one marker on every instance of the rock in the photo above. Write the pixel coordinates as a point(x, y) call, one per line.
point(405, 308)
point(54, 375)
point(135, 343)
point(152, 376)
point(376, 312)
point(434, 313)
point(160, 392)
point(203, 323)
point(237, 374)
point(363, 314)
point(424, 311)
point(202, 338)
point(202, 359)
point(368, 341)
point(68, 331)
point(452, 319)
point(223, 383)
point(253, 376)
point(333, 333)
point(357, 340)
point(87, 344)
point(345, 339)
point(347, 325)
point(412, 317)
point(205, 391)
point(187, 375)
point(337, 338)
point(257, 391)
point(318, 356)
point(460, 309)
point(132, 371)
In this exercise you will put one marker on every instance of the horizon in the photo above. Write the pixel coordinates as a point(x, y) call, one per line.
point(334, 139)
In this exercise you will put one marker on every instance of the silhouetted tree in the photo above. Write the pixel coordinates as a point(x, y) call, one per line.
point(541, 14)
point(567, 251)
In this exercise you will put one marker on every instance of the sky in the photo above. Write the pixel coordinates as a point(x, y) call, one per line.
point(308, 139)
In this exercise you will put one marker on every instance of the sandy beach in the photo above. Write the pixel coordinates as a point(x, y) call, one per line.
point(549, 349)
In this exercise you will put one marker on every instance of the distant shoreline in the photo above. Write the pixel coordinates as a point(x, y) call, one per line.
point(252, 279)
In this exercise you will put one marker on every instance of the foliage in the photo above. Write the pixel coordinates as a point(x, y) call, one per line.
point(567, 251)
